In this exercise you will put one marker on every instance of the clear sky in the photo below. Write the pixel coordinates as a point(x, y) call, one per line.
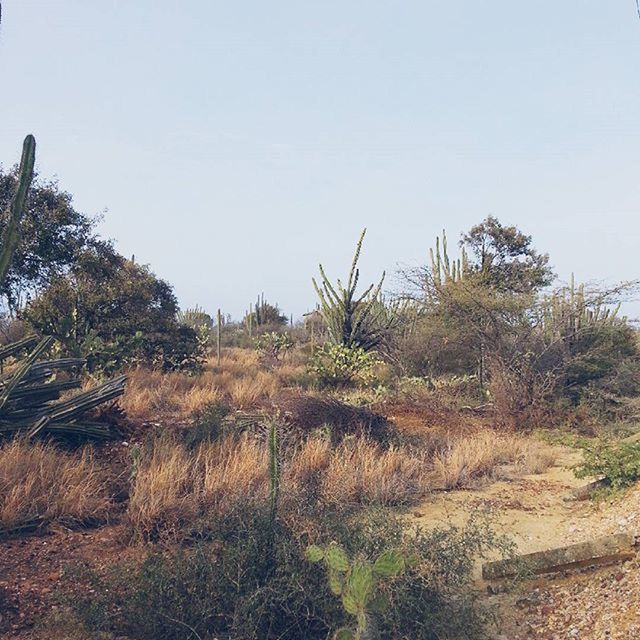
point(236, 144)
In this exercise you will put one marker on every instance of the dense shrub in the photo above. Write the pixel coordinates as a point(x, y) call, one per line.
point(273, 346)
point(251, 581)
point(336, 365)
point(618, 462)
point(115, 313)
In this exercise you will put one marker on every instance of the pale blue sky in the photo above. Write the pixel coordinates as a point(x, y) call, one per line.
point(236, 144)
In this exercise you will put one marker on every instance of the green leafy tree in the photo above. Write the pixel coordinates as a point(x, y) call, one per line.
point(504, 258)
point(115, 313)
point(52, 235)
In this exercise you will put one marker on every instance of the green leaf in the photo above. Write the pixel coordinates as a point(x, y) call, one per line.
point(344, 634)
point(314, 553)
point(389, 564)
point(337, 559)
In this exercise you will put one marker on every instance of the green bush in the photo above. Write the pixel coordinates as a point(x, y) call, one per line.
point(335, 365)
point(251, 581)
point(273, 346)
point(618, 462)
point(116, 314)
point(208, 424)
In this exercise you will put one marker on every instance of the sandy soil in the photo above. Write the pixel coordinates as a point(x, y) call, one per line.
point(598, 604)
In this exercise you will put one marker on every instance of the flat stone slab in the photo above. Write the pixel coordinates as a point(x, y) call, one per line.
point(606, 550)
point(586, 491)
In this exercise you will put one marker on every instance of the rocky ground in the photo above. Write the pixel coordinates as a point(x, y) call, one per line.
point(589, 604)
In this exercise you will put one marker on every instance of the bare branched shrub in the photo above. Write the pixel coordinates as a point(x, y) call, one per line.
point(40, 484)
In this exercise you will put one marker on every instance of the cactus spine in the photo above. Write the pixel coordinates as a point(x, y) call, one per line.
point(11, 235)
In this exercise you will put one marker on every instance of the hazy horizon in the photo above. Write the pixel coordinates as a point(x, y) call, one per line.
point(236, 145)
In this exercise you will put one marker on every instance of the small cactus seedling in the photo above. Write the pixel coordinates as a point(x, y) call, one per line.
point(357, 583)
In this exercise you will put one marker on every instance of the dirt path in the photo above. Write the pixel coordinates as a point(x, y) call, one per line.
point(592, 605)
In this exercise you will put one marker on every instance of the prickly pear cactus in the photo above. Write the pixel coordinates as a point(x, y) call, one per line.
point(357, 583)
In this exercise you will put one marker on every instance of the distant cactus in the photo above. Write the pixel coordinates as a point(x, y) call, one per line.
point(219, 337)
point(570, 311)
point(444, 270)
point(11, 234)
point(354, 321)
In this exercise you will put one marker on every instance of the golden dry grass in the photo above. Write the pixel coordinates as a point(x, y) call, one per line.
point(468, 458)
point(174, 487)
point(176, 491)
point(361, 472)
point(40, 484)
point(153, 395)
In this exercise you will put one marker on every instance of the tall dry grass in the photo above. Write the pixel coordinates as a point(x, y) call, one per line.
point(177, 492)
point(40, 484)
point(151, 395)
point(361, 472)
point(467, 459)
point(174, 487)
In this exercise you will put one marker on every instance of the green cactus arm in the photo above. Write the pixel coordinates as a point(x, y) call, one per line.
point(11, 235)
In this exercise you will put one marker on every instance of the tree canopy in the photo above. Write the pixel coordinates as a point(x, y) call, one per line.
point(52, 235)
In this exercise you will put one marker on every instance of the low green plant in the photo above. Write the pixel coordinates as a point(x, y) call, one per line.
point(336, 365)
point(273, 346)
point(209, 423)
point(358, 584)
point(228, 587)
point(618, 462)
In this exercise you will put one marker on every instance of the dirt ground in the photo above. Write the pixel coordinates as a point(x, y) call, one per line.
point(590, 604)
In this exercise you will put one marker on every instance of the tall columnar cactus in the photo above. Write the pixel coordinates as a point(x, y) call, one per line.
point(274, 470)
point(444, 270)
point(354, 321)
point(570, 311)
point(31, 399)
point(11, 234)
point(219, 337)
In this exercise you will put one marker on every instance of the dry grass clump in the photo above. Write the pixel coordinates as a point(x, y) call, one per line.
point(361, 472)
point(177, 491)
point(248, 392)
point(40, 484)
point(174, 487)
point(151, 395)
point(484, 454)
